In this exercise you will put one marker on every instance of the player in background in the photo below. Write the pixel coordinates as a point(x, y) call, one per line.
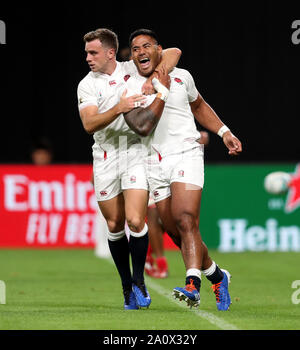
point(120, 181)
point(175, 163)
point(156, 262)
point(42, 152)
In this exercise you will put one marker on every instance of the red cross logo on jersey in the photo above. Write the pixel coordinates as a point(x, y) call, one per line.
point(293, 198)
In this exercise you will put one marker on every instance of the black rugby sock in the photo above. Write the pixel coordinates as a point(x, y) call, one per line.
point(196, 281)
point(120, 253)
point(138, 247)
point(216, 276)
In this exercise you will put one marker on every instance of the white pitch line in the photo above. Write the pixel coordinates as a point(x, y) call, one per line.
point(217, 321)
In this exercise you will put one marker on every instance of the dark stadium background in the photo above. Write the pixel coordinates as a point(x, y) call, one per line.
point(240, 53)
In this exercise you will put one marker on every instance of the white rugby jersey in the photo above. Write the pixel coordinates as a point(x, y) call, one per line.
point(104, 91)
point(176, 130)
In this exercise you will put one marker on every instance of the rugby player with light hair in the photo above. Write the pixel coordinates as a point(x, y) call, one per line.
point(175, 165)
point(120, 181)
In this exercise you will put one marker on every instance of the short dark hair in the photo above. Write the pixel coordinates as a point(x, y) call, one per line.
point(106, 36)
point(142, 31)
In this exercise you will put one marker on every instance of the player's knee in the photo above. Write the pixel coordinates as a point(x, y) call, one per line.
point(115, 225)
point(185, 222)
point(135, 223)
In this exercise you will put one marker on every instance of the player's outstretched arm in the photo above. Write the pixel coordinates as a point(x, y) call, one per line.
point(207, 117)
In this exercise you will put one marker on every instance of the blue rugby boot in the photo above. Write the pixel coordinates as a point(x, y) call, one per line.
point(141, 294)
point(189, 294)
point(221, 291)
point(129, 300)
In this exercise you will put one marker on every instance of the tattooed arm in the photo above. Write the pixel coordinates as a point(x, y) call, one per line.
point(144, 120)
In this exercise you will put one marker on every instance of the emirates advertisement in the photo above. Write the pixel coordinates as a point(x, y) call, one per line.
point(47, 206)
point(50, 207)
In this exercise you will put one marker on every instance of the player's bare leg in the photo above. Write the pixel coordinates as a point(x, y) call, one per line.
point(113, 211)
point(136, 208)
point(164, 208)
point(209, 268)
point(185, 208)
point(219, 278)
point(156, 232)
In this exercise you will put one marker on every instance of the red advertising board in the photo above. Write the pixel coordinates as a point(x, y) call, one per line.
point(48, 206)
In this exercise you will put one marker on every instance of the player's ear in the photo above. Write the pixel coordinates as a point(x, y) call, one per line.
point(111, 53)
point(160, 49)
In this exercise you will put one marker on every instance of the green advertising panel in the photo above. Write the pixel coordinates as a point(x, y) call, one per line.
point(238, 214)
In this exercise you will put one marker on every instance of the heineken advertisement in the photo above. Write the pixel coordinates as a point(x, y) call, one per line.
point(238, 214)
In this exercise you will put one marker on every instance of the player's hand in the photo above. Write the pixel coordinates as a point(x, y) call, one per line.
point(232, 143)
point(126, 104)
point(163, 76)
point(204, 139)
point(147, 88)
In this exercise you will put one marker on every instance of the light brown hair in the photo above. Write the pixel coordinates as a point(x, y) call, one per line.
point(107, 37)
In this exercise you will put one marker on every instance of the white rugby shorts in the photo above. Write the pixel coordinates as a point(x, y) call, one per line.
point(186, 167)
point(115, 172)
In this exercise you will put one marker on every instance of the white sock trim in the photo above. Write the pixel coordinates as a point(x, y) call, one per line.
point(193, 272)
point(139, 234)
point(210, 270)
point(115, 236)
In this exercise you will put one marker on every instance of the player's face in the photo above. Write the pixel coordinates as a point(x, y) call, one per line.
point(146, 54)
point(97, 56)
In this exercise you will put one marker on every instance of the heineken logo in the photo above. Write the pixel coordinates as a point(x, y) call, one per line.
point(236, 235)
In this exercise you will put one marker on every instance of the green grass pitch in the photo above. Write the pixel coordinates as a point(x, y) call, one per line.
point(74, 290)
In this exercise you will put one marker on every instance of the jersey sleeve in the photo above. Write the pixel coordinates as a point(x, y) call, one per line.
point(191, 87)
point(86, 95)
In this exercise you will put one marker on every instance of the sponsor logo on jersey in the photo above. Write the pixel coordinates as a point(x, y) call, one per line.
point(178, 80)
point(126, 77)
point(112, 82)
point(181, 173)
